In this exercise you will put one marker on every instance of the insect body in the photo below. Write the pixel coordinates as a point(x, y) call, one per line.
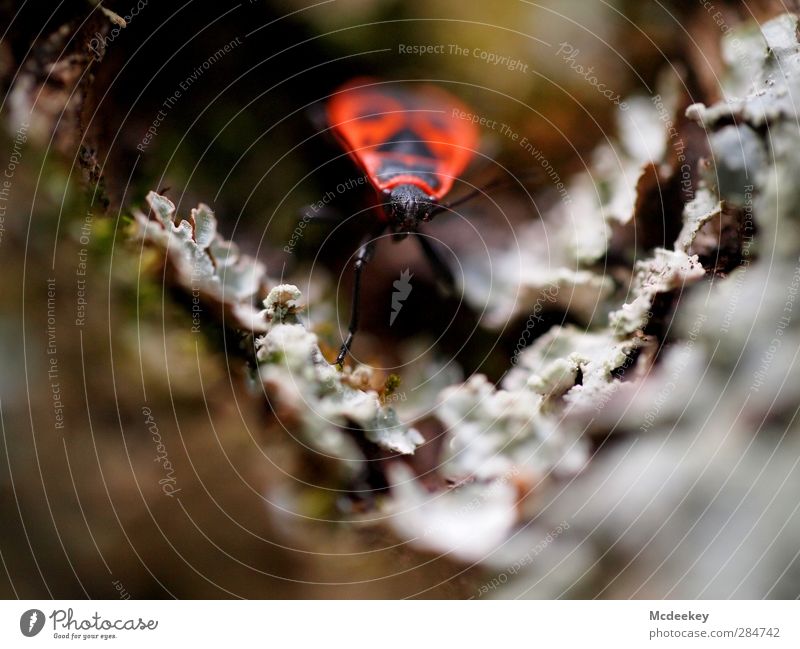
point(411, 144)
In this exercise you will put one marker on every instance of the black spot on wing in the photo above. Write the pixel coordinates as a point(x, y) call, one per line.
point(407, 142)
point(439, 123)
point(399, 94)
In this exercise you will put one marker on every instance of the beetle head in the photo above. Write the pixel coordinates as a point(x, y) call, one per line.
point(408, 207)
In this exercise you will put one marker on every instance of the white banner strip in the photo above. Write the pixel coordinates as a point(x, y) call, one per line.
point(386, 624)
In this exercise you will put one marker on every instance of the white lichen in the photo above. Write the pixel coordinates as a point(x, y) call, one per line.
point(466, 523)
point(306, 387)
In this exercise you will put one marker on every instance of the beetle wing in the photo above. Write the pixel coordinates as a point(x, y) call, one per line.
point(409, 134)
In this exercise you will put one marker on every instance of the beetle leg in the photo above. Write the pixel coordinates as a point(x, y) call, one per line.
point(363, 256)
point(445, 281)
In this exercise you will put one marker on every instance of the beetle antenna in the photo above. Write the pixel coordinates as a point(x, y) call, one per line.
point(497, 183)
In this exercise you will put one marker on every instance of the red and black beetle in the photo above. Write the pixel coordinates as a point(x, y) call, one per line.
point(412, 142)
